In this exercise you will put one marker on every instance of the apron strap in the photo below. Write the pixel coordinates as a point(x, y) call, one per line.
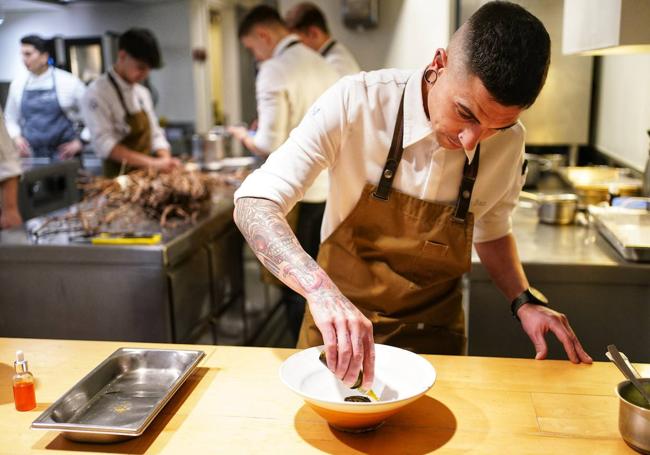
point(119, 94)
point(394, 156)
point(328, 48)
point(470, 171)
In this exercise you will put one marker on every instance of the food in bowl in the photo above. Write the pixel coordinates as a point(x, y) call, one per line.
point(401, 377)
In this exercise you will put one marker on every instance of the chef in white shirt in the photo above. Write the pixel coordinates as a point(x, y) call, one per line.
point(43, 106)
point(308, 22)
point(9, 174)
point(290, 78)
point(119, 112)
point(422, 165)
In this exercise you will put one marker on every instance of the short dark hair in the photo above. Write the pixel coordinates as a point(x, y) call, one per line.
point(39, 43)
point(305, 15)
point(261, 14)
point(142, 45)
point(509, 50)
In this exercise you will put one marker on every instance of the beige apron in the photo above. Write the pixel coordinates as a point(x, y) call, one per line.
point(138, 139)
point(400, 260)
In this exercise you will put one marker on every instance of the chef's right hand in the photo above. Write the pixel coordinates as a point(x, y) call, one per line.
point(23, 146)
point(347, 335)
point(165, 163)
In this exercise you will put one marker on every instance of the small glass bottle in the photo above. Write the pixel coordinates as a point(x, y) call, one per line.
point(23, 382)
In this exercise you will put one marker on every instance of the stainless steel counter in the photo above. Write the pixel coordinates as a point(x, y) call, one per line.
point(170, 292)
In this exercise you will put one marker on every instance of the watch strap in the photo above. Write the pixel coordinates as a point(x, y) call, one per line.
point(530, 295)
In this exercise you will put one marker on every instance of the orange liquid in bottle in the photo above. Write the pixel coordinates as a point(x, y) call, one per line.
point(24, 396)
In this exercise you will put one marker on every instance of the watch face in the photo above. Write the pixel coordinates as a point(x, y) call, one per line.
point(538, 295)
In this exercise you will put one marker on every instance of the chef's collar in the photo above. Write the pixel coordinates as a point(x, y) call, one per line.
point(416, 124)
point(284, 43)
point(121, 82)
point(324, 46)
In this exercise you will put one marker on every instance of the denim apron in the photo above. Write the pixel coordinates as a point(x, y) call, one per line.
point(43, 122)
point(400, 260)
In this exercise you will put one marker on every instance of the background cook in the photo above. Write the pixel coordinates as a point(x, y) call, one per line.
point(119, 112)
point(43, 106)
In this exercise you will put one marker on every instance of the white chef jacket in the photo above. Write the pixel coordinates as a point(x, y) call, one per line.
point(105, 116)
point(69, 91)
point(287, 85)
point(9, 161)
point(349, 131)
point(340, 58)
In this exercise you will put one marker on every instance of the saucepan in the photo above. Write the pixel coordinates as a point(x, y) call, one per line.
point(553, 208)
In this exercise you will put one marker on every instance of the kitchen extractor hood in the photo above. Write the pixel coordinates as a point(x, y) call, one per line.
point(605, 27)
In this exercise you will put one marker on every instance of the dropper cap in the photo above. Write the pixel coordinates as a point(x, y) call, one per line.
point(20, 364)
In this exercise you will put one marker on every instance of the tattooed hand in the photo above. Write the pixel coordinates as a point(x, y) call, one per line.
point(347, 333)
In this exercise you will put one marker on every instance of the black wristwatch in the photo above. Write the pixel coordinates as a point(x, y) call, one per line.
point(530, 295)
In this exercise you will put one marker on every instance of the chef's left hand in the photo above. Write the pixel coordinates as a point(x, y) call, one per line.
point(239, 132)
point(68, 150)
point(536, 320)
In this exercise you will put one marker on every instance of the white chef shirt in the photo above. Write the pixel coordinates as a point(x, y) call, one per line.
point(69, 91)
point(105, 116)
point(287, 85)
point(9, 161)
point(340, 58)
point(349, 131)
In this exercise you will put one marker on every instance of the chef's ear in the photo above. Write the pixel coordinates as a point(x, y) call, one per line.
point(439, 59)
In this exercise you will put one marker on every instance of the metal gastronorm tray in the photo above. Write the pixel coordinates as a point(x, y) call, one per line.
point(121, 396)
point(628, 230)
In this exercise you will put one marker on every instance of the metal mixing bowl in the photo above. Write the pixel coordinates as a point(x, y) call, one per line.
point(633, 418)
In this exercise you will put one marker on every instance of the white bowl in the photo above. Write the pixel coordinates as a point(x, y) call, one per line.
point(401, 377)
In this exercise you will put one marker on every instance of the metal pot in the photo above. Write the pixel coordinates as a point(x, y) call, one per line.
point(554, 208)
point(213, 146)
point(633, 419)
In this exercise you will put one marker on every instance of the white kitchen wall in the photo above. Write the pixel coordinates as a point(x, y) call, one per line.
point(408, 34)
point(168, 19)
point(624, 108)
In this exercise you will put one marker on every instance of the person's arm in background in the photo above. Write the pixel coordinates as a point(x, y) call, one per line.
point(9, 213)
point(12, 117)
point(9, 174)
point(272, 113)
point(76, 90)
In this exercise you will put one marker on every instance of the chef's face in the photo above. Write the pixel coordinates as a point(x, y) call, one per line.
point(132, 70)
point(461, 110)
point(260, 43)
point(32, 58)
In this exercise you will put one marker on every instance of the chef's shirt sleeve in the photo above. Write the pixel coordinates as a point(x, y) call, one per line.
point(497, 221)
point(97, 115)
point(9, 161)
point(312, 146)
point(272, 108)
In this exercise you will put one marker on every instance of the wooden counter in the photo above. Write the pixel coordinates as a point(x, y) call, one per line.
point(235, 403)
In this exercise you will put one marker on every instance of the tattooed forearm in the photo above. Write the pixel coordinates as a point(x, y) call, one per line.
point(267, 232)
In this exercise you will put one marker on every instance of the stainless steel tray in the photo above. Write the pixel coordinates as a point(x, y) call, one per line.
point(121, 396)
point(628, 230)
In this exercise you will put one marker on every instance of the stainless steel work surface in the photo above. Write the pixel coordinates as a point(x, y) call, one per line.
point(121, 396)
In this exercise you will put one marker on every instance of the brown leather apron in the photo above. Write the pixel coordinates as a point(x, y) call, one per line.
point(138, 139)
point(400, 260)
